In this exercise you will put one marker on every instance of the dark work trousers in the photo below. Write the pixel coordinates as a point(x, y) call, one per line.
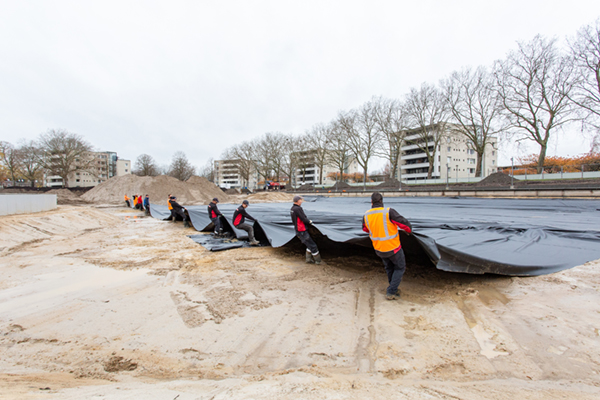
point(217, 222)
point(248, 228)
point(310, 244)
point(182, 214)
point(172, 216)
point(128, 204)
point(394, 267)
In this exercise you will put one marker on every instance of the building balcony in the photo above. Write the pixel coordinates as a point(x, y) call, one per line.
point(406, 167)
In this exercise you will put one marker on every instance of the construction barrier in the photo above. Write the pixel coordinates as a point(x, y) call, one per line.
point(26, 203)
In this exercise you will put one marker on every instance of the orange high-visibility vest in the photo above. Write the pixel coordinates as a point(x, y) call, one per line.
point(126, 198)
point(382, 231)
point(170, 206)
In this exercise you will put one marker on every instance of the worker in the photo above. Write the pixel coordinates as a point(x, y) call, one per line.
point(127, 201)
point(140, 202)
point(179, 209)
point(239, 218)
point(383, 225)
point(172, 216)
point(134, 204)
point(215, 216)
point(147, 204)
point(301, 222)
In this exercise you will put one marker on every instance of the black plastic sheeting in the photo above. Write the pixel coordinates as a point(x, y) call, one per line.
point(502, 236)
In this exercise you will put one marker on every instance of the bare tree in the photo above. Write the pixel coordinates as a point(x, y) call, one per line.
point(427, 111)
point(208, 170)
point(338, 151)
point(180, 167)
point(11, 160)
point(31, 169)
point(263, 155)
point(362, 134)
point(276, 144)
point(146, 165)
point(475, 107)
point(534, 84)
point(243, 155)
point(391, 122)
point(585, 53)
point(63, 153)
point(317, 137)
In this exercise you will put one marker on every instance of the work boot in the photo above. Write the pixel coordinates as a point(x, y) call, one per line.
point(390, 297)
point(186, 224)
point(317, 258)
point(254, 242)
point(309, 257)
point(173, 219)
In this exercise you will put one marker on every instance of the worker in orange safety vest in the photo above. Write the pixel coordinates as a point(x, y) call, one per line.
point(384, 226)
point(127, 201)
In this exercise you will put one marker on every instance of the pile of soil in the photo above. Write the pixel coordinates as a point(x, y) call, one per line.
point(232, 191)
point(270, 197)
point(306, 186)
point(389, 184)
point(196, 190)
point(66, 197)
point(496, 179)
point(339, 185)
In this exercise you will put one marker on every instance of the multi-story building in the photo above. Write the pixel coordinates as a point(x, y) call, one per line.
point(99, 167)
point(228, 175)
point(454, 157)
point(309, 172)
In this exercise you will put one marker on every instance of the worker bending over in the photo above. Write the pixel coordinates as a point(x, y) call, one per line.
point(300, 224)
point(127, 201)
point(239, 218)
point(215, 216)
point(383, 225)
point(178, 209)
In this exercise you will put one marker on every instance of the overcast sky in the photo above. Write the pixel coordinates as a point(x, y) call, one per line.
point(198, 76)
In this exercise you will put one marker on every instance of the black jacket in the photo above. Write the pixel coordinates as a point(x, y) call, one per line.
point(299, 219)
point(213, 211)
point(240, 215)
point(176, 206)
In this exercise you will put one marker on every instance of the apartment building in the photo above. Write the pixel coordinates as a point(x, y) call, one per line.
point(308, 172)
point(454, 158)
point(101, 166)
point(228, 175)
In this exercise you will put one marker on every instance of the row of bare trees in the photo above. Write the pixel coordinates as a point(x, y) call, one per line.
point(62, 153)
point(528, 96)
point(56, 152)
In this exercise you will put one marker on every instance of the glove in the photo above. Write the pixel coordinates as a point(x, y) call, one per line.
point(310, 222)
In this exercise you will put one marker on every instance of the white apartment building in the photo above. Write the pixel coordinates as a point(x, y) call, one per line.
point(309, 172)
point(104, 165)
point(453, 158)
point(227, 175)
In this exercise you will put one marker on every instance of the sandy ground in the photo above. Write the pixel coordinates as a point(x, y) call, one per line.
point(104, 303)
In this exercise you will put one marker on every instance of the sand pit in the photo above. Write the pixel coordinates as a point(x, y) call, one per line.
point(195, 190)
point(270, 197)
point(116, 305)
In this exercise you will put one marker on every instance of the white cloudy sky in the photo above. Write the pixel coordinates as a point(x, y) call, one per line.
point(161, 76)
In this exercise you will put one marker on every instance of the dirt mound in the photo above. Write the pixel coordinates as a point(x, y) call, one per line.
point(196, 190)
point(65, 196)
point(389, 184)
point(232, 191)
point(339, 185)
point(270, 197)
point(496, 179)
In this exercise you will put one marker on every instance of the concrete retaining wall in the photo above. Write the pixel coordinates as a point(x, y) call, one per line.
point(26, 203)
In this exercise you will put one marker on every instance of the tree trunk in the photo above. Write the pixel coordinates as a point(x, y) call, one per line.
point(430, 169)
point(365, 179)
point(541, 158)
point(479, 164)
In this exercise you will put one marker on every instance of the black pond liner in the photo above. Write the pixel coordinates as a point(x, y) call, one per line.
point(520, 237)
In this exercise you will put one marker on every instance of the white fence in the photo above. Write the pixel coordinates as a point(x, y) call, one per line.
point(26, 203)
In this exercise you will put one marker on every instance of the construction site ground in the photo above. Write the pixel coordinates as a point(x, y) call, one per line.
point(101, 302)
